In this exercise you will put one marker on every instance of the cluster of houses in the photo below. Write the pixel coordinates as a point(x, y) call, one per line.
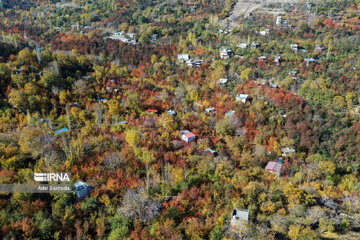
point(264, 32)
point(240, 217)
point(225, 53)
point(318, 48)
point(185, 58)
point(124, 37)
point(253, 45)
point(282, 23)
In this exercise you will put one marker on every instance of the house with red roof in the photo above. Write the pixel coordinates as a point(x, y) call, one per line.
point(187, 136)
point(274, 167)
point(151, 110)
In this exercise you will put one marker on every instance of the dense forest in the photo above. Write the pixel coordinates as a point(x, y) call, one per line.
point(182, 118)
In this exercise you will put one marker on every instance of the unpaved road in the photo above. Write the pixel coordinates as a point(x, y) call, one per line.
point(243, 7)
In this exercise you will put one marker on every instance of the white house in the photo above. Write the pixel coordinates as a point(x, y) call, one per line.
point(278, 20)
point(191, 62)
point(254, 45)
point(171, 112)
point(198, 63)
point(309, 60)
point(294, 47)
point(210, 110)
point(239, 216)
point(277, 60)
point(183, 57)
point(318, 48)
point(242, 97)
point(154, 37)
point(242, 45)
point(287, 151)
point(223, 80)
point(124, 37)
point(225, 53)
point(264, 32)
point(187, 136)
point(293, 73)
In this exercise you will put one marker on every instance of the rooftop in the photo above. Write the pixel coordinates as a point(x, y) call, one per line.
point(273, 167)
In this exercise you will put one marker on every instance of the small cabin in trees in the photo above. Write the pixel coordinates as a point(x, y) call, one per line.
point(242, 97)
point(293, 73)
point(210, 110)
point(63, 130)
point(287, 151)
point(190, 63)
point(154, 37)
point(75, 104)
point(82, 189)
point(274, 167)
point(273, 85)
point(193, 63)
point(294, 47)
point(254, 45)
point(171, 112)
point(187, 136)
point(223, 80)
point(242, 45)
point(277, 60)
point(103, 100)
point(309, 60)
point(239, 216)
point(225, 53)
point(75, 26)
point(20, 70)
point(183, 58)
point(209, 152)
point(198, 63)
point(264, 32)
point(319, 48)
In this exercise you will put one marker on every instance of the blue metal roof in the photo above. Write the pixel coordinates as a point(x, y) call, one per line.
point(172, 112)
point(62, 130)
